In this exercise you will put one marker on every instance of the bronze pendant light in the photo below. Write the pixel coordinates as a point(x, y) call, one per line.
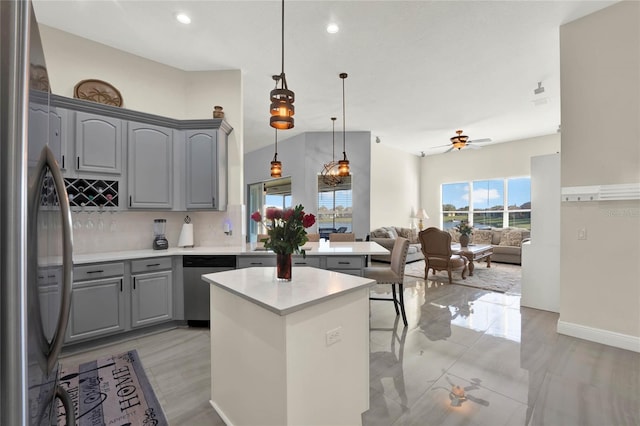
point(329, 172)
point(343, 165)
point(276, 166)
point(282, 98)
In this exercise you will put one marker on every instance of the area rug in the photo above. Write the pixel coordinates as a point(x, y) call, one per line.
point(501, 277)
point(113, 390)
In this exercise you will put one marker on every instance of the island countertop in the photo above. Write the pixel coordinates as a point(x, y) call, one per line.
point(308, 286)
point(359, 248)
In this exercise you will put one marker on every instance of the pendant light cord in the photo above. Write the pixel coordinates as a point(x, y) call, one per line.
point(283, 40)
point(275, 157)
point(344, 137)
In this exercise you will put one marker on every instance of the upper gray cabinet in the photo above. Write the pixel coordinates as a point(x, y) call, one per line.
point(150, 166)
point(98, 143)
point(206, 170)
point(47, 126)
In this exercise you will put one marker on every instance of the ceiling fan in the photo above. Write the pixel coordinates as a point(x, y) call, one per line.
point(462, 141)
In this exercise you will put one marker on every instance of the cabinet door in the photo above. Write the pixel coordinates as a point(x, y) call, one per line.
point(97, 309)
point(98, 143)
point(46, 126)
point(202, 182)
point(151, 298)
point(150, 166)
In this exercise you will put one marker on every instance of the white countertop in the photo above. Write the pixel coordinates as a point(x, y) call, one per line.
point(360, 248)
point(308, 286)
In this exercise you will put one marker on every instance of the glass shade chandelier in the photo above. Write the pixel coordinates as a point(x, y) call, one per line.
point(343, 165)
point(459, 141)
point(282, 98)
point(276, 166)
point(329, 172)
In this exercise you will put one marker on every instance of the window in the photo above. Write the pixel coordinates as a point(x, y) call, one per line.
point(455, 204)
point(335, 207)
point(482, 203)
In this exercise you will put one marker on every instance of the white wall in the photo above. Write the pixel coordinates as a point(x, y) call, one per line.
point(502, 160)
point(395, 186)
point(600, 83)
point(153, 88)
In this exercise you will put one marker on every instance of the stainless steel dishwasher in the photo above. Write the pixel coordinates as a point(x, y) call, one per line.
point(196, 291)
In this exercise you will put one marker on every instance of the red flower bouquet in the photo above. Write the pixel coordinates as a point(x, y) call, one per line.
point(286, 229)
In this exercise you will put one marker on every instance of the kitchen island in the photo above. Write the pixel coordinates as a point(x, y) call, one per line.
point(289, 353)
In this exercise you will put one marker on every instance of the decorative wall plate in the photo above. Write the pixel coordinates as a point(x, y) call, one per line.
point(97, 91)
point(38, 78)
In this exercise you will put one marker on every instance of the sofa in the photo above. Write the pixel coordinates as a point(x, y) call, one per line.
point(506, 242)
point(386, 237)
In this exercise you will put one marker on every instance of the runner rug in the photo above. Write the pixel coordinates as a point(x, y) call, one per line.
point(501, 277)
point(113, 390)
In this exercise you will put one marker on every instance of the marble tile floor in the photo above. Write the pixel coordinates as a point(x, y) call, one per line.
point(509, 362)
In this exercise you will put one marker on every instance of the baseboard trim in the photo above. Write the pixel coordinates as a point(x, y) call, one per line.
point(611, 338)
point(224, 418)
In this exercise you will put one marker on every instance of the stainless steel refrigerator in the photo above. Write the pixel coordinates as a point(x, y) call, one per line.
point(35, 231)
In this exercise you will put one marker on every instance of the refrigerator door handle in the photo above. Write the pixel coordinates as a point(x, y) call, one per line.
point(63, 396)
point(48, 160)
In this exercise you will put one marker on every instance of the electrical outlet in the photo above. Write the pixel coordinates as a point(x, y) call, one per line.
point(334, 336)
point(582, 233)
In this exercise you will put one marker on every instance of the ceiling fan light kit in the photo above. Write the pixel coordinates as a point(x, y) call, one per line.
point(459, 141)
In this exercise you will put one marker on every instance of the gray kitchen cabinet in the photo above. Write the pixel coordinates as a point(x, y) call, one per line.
point(98, 143)
point(97, 301)
point(150, 166)
point(151, 291)
point(202, 169)
point(255, 261)
point(47, 125)
point(352, 265)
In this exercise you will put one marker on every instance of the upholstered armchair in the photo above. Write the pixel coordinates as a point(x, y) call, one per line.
point(436, 247)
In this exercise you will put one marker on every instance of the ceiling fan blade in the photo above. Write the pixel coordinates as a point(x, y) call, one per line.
point(448, 150)
point(473, 146)
point(485, 140)
point(440, 146)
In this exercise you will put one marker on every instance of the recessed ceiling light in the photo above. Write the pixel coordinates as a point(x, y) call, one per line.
point(183, 18)
point(333, 28)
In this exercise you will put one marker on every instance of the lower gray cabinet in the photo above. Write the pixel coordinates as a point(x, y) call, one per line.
point(151, 291)
point(352, 265)
point(97, 302)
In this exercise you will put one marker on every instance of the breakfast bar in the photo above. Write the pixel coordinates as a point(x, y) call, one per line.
point(289, 352)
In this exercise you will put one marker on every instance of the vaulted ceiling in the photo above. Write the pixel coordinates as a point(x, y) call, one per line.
point(418, 70)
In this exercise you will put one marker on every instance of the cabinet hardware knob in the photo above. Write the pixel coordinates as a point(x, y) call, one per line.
point(99, 271)
point(152, 265)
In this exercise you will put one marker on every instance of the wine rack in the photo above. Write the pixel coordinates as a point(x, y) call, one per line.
point(92, 192)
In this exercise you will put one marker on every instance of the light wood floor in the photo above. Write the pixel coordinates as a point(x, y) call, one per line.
point(177, 365)
point(513, 365)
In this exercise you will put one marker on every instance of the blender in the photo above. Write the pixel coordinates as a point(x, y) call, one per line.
point(159, 240)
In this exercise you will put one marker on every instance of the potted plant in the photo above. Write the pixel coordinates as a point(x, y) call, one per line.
point(465, 231)
point(287, 235)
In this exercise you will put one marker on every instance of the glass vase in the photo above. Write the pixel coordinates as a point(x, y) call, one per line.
point(283, 267)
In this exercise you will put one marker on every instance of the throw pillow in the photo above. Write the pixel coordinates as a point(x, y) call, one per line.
point(511, 237)
point(380, 233)
point(409, 234)
point(392, 232)
point(455, 235)
point(482, 236)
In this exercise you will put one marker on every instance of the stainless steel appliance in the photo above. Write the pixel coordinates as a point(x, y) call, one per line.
point(35, 230)
point(159, 240)
point(196, 291)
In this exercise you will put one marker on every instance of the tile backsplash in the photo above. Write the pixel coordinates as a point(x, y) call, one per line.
point(96, 232)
